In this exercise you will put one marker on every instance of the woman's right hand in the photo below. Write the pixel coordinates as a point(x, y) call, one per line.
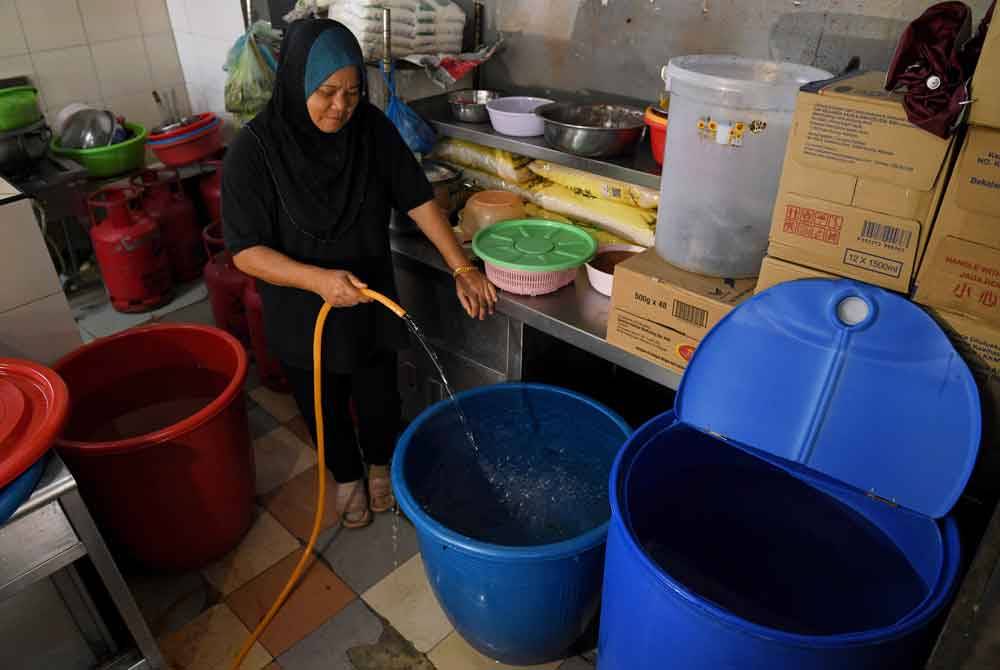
point(340, 288)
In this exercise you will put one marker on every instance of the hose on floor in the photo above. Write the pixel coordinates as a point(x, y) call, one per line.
point(320, 470)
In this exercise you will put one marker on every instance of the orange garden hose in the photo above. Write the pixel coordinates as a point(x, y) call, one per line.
point(320, 469)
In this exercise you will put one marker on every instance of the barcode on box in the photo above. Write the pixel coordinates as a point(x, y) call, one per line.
point(888, 235)
point(690, 313)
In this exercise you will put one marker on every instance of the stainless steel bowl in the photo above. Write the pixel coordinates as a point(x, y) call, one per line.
point(87, 129)
point(594, 131)
point(469, 106)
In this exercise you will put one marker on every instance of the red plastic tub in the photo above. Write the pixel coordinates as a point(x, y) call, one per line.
point(657, 123)
point(159, 444)
point(189, 147)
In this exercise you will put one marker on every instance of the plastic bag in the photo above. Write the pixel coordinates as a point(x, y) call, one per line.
point(251, 68)
point(600, 236)
point(634, 224)
point(416, 132)
point(509, 167)
point(594, 186)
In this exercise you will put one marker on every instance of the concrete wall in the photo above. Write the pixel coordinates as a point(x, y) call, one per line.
point(619, 46)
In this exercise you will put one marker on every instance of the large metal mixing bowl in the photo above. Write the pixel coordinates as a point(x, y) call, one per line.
point(87, 129)
point(594, 131)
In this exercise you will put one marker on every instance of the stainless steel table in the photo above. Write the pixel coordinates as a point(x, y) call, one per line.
point(44, 538)
point(476, 353)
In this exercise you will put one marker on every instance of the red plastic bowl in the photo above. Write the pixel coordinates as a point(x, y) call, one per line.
point(657, 133)
point(192, 149)
point(203, 120)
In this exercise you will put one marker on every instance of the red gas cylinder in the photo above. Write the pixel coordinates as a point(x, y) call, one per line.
point(268, 367)
point(211, 190)
point(164, 200)
point(225, 284)
point(129, 250)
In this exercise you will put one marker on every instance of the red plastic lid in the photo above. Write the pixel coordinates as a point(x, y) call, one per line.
point(34, 406)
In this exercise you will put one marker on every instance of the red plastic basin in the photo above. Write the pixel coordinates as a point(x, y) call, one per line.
point(192, 148)
point(657, 133)
point(158, 441)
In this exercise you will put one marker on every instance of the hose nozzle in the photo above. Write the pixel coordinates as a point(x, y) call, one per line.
point(386, 302)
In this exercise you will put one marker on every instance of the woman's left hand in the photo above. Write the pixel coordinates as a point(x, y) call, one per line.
point(477, 295)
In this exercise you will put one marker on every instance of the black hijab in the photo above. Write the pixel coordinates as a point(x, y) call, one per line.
point(321, 178)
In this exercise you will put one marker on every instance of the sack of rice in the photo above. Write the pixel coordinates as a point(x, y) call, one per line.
point(634, 224)
point(595, 186)
point(509, 167)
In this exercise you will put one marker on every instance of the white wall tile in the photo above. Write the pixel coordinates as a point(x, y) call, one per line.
point(153, 16)
point(163, 60)
point(122, 67)
point(218, 19)
point(42, 331)
point(65, 76)
point(107, 20)
point(195, 98)
point(138, 108)
point(51, 24)
point(13, 42)
point(178, 16)
point(187, 53)
point(211, 54)
point(28, 271)
point(17, 66)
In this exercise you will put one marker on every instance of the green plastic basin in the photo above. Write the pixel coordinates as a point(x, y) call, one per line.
point(112, 160)
point(18, 107)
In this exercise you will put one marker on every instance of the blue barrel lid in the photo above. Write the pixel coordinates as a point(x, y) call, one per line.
point(850, 381)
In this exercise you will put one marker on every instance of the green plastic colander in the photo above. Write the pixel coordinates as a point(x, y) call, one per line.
point(533, 256)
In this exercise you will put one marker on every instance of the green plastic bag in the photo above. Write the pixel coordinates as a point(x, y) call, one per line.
point(251, 66)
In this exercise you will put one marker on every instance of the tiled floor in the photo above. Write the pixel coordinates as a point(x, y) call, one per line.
point(364, 603)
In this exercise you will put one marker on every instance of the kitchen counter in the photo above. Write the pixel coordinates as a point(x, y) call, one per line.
point(577, 314)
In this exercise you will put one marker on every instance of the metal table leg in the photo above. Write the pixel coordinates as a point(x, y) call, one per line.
point(86, 529)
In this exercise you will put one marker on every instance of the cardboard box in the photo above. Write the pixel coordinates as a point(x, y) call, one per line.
point(976, 340)
point(649, 340)
point(774, 271)
point(691, 304)
point(961, 270)
point(660, 312)
point(860, 185)
point(985, 110)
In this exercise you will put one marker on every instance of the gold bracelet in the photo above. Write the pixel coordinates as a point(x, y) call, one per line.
point(459, 271)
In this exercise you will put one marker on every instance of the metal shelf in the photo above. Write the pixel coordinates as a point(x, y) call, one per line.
point(638, 168)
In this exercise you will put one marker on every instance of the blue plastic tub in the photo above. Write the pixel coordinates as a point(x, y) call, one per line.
point(521, 591)
point(793, 513)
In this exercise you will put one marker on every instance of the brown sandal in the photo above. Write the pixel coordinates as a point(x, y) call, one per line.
point(380, 489)
point(352, 505)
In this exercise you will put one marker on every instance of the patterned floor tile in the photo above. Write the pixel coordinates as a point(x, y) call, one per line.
point(211, 642)
point(294, 504)
point(298, 426)
point(391, 652)
point(456, 654)
point(170, 602)
point(266, 543)
point(281, 405)
point(261, 423)
point(405, 599)
point(319, 596)
point(278, 457)
point(363, 557)
point(326, 648)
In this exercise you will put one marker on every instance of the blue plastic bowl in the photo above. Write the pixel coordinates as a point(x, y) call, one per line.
point(520, 595)
point(19, 490)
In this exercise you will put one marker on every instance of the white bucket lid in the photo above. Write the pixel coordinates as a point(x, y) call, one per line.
point(758, 82)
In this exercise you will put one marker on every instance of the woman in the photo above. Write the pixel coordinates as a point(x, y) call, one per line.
point(307, 191)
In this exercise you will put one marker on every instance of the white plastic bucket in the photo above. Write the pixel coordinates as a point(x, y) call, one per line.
point(729, 123)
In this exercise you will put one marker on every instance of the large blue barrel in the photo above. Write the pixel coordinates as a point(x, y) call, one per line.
point(513, 554)
point(719, 558)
